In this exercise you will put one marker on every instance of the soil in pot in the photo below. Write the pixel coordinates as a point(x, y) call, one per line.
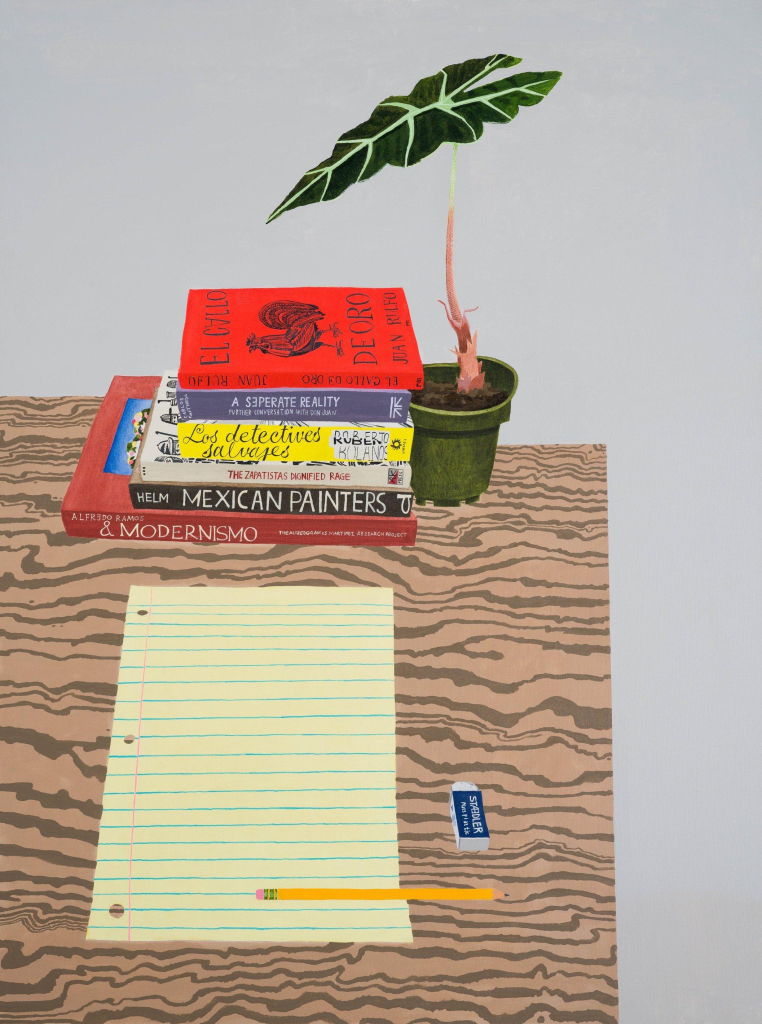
point(444, 395)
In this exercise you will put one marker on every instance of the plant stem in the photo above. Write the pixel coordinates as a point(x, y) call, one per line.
point(470, 376)
point(452, 300)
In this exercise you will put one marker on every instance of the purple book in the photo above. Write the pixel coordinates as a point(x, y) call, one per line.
point(345, 405)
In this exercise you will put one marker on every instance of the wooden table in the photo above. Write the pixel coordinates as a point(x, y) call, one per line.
point(502, 666)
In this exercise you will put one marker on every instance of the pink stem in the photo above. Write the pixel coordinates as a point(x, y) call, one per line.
point(452, 299)
point(470, 377)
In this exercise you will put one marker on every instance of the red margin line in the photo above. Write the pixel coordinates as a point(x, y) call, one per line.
point(137, 762)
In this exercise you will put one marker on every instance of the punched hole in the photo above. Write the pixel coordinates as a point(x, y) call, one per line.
point(142, 612)
point(116, 910)
point(129, 738)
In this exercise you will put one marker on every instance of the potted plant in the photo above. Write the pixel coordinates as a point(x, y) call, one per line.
point(458, 413)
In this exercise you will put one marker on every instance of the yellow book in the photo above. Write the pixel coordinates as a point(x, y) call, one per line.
point(296, 442)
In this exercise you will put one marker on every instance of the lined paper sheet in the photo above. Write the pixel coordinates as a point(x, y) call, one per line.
point(263, 756)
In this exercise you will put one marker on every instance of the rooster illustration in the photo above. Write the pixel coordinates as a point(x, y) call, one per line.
point(299, 321)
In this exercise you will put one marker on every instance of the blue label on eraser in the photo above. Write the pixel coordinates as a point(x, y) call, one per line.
point(469, 813)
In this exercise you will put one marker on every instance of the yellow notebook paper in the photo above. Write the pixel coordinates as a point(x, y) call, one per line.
point(263, 756)
point(296, 442)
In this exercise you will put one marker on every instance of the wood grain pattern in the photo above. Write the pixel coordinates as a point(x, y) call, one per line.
point(502, 666)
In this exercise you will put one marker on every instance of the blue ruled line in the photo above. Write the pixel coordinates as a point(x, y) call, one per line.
point(221, 878)
point(244, 610)
point(226, 735)
point(236, 682)
point(243, 607)
point(358, 771)
point(335, 613)
point(273, 664)
point(246, 824)
point(249, 928)
point(253, 910)
point(254, 647)
point(280, 753)
point(219, 682)
point(249, 680)
point(259, 842)
point(225, 860)
point(174, 792)
point(253, 718)
point(263, 636)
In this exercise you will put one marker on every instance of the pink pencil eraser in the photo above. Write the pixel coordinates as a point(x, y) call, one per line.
point(260, 894)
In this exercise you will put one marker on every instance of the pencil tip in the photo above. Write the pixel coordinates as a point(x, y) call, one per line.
point(497, 895)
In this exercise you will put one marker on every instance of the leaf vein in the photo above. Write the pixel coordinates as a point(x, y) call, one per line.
point(465, 121)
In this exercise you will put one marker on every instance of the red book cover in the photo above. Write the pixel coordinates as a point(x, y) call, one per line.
point(299, 337)
point(97, 502)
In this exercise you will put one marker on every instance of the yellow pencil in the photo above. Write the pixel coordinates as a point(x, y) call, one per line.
point(378, 894)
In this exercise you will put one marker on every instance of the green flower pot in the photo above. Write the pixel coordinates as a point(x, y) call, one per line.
point(453, 452)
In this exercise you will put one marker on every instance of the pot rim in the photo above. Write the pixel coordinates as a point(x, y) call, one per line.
point(474, 412)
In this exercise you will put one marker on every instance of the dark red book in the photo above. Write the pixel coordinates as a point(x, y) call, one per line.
point(98, 504)
point(299, 337)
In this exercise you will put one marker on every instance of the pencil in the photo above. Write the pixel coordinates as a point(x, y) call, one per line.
point(378, 894)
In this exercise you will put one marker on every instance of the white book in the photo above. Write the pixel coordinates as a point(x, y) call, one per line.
point(160, 461)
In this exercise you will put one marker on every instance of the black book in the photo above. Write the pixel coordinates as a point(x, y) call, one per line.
point(324, 501)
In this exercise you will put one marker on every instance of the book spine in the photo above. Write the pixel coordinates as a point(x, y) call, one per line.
point(314, 442)
point(384, 475)
point(203, 527)
point(403, 379)
point(329, 404)
point(325, 501)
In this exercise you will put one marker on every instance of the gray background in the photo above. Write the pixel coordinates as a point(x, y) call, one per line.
point(610, 240)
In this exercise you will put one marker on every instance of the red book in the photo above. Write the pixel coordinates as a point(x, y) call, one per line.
point(299, 337)
point(98, 504)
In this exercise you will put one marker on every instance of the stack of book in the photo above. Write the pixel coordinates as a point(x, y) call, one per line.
point(287, 422)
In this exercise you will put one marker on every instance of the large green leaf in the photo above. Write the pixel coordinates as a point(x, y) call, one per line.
point(447, 107)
